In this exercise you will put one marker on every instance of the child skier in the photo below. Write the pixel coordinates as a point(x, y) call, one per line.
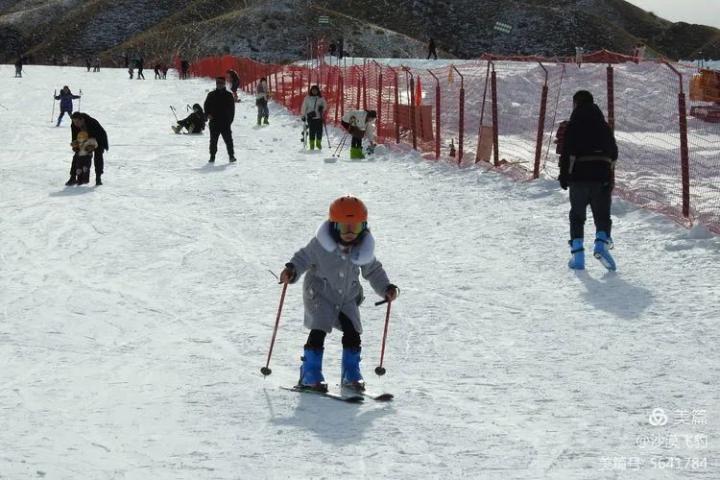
point(262, 94)
point(360, 124)
point(66, 105)
point(83, 146)
point(312, 111)
point(342, 248)
point(193, 123)
point(587, 167)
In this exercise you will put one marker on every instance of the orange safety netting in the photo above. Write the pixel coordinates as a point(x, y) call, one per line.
point(502, 112)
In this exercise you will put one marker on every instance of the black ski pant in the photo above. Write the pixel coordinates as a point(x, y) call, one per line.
point(99, 162)
point(226, 132)
point(80, 168)
point(596, 194)
point(315, 125)
point(350, 338)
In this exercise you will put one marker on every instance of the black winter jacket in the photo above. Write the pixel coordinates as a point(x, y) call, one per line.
point(196, 120)
point(220, 105)
point(94, 130)
point(589, 150)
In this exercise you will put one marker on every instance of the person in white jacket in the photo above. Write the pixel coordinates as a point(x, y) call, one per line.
point(360, 124)
point(313, 109)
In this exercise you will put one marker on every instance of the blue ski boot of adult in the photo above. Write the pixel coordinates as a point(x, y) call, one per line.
point(311, 370)
point(601, 251)
point(351, 376)
point(577, 260)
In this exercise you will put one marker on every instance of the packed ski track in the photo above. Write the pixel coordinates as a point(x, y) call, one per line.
point(135, 316)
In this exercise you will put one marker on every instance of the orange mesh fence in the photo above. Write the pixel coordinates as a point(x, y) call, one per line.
point(503, 113)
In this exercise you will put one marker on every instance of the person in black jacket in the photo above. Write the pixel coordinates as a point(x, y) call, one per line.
point(587, 167)
point(194, 123)
point(220, 111)
point(86, 127)
point(432, 49)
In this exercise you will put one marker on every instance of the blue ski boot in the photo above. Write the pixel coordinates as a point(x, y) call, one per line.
point(602, 244)
point(577, 261)
point(351, 376)
point(311, 370)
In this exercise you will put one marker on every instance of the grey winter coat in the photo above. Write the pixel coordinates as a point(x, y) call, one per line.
point(332, 283)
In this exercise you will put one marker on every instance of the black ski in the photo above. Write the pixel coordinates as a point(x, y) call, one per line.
point(383, 397)
point(378, 397)
point(355, 398)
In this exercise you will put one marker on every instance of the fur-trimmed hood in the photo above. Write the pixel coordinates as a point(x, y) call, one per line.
point(361, 253)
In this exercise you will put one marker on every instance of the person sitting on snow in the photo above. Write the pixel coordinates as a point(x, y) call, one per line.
point(193, 123)
point(66, 98)
point(341, 250)
point(360, 124)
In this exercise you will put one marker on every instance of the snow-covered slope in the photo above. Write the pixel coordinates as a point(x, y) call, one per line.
point(136, 315)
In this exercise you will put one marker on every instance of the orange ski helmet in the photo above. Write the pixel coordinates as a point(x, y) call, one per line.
point(348, 209)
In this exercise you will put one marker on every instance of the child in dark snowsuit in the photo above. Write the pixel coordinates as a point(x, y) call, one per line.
point(66, 105)
point(332, 262)
point(193, 123)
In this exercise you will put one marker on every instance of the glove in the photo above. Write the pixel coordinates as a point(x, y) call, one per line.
point(321, 108)
point(288, 275)
point(391, 292)
point(303, 118)
point(563, 182)
point(90, 148)
point(75, 146)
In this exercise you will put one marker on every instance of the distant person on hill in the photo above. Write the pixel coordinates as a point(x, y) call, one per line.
point(156, 69)
point(18, 67)
point(131, 72)
point(312, 111)
point(360, 124)
point(96, 67)
point(66, 98)
point(587, 167)
point(193, 123)
point(579, 52)
point(184, 69)
point(432, 50)
point(140, 66)
point(234, 80)
point(164, 71)
point(262, 94)
point(88, 138)
point(220, 111)
point(88, 64)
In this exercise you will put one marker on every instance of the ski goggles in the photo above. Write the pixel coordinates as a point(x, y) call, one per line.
point(356, 228)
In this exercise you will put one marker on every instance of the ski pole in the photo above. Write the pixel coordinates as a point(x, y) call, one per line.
point(326, 134)
point(340, 146)
point(380, 370)
point(80, 101)
point(266, 369)
point(52, 115)
point(174, 114)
